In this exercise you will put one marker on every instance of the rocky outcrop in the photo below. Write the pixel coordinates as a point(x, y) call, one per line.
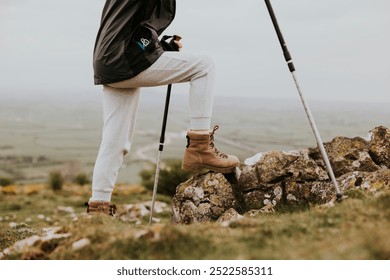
point(274, 180)
point(203, 198)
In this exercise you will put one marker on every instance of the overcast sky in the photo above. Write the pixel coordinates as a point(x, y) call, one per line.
point(340, 47)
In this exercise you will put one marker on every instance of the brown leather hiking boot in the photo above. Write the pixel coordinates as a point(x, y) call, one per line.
point(201, 153)
point(101, 207)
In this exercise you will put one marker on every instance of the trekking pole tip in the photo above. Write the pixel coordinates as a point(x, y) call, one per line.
point(340, 197)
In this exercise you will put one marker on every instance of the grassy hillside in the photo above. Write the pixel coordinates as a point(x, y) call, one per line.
point(357, 228)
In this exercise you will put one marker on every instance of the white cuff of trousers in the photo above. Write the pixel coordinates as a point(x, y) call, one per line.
point(100, 196)
point(200, 123)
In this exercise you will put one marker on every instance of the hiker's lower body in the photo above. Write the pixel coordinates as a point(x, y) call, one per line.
point(120, 105)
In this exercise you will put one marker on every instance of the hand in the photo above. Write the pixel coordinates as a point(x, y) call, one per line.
point(178, 44)
point(176, 39)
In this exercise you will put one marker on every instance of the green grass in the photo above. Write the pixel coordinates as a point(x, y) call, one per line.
point(357, 228)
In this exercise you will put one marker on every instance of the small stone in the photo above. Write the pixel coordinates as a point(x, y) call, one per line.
point(278, 192)
point(51, 230)
point(253, 160)
point(267, 209)
point(144, 234)
point(327, 205)
point(366, 185)
point(26, 243)
point(291, 197)
point(80, 244)
point(64, 209)
point(229, 216)
point(12, 225)
point(56, 236)
point(159, 207)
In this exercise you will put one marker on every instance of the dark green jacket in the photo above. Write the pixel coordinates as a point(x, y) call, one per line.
point(127, 42)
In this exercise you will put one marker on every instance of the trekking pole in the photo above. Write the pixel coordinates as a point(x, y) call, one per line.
point(160, 149)
point(291, 66)
point(173, 45)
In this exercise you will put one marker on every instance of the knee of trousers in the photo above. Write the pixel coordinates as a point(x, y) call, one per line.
point(112, 148)
point(206, 64)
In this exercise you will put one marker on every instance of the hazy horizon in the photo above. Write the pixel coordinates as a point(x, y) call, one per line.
point(66, 130)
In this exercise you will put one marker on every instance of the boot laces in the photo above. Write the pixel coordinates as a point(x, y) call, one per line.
point(212, 146)
point(112, 209)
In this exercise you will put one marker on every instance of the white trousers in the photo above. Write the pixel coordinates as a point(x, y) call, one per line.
point(120, 105)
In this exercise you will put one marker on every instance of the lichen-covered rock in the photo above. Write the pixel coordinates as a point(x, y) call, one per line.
point(347, 155)
point(272, 180)
point(305, 169)
point(372, 182)
point(279, 176)
point(202, 198)
point(257, 199)
point(273, 166)
point(229, 216)
point(380, 146)
point(249, 178)
point(310, 193)
point(37, 244)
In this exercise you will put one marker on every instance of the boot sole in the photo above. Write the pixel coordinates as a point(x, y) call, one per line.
point(199, 167)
